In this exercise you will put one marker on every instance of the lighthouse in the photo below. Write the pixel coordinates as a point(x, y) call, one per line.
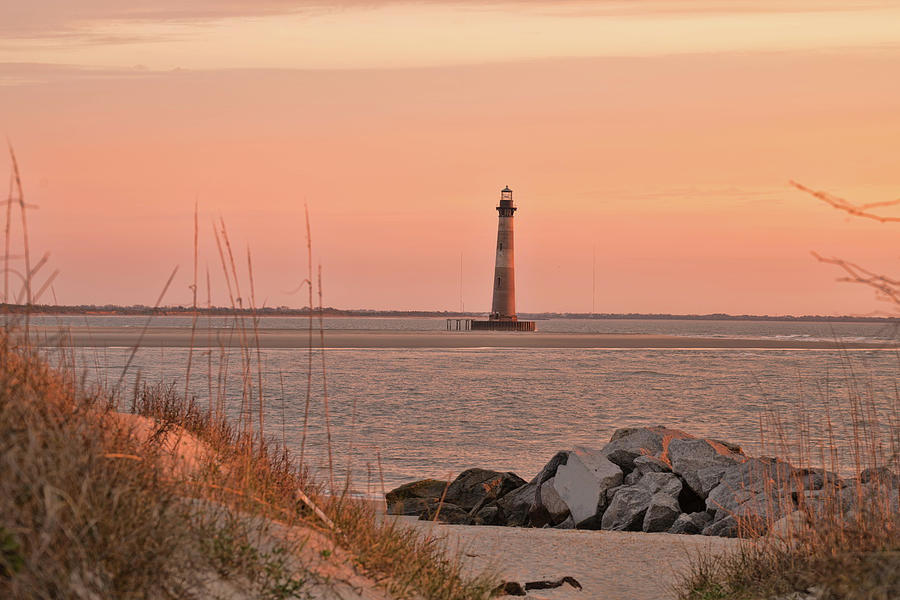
point(503, 307)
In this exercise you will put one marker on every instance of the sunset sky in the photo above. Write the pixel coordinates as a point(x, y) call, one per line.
point(657, 136)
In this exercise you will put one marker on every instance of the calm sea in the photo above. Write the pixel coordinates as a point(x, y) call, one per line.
point(435, 412)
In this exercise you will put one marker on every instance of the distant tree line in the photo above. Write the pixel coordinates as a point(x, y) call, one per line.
point(284, 311)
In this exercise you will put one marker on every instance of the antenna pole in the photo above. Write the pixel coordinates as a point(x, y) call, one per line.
point(462, 307)
point(594, 283)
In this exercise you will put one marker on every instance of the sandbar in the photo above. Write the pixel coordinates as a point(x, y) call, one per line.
point(155, 337)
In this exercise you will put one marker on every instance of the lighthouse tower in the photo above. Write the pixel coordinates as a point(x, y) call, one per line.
point(503, 307)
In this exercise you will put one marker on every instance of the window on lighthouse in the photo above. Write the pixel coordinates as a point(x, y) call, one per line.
point(498, 282)
point(499, 245)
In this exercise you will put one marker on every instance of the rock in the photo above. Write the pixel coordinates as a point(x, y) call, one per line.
point(872, 497)
point(508, 588)
point(690, 456)
point(816, 478)
point(583, 481)
point(787, 528)
point(627, 444)
point(662, 512)
point(726, 527)
point(489, 515)
point(446, 513)
point(824, 503)
point(478, 486)
point(739, 482)
point(410, 506)
point(723, 500)
point(556, 507)
point(692, 523)
point(756, 514)
point(517, 505)
point(733, 448)
point(664, 507)
point(882, 475)
point(768, 484)
point(549, 470)
point(665, 483)
point(426, 488)
point(569, 523)
point(708, 478)
point(650, 464)
point(632, 478)
point(550, 584)
point(627, 509)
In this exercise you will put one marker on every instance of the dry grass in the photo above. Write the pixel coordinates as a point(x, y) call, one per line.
point(266, 482)
point(853, 560)
point(845, 539)
point(89, 507)
point(88, 510)
point(845, 542)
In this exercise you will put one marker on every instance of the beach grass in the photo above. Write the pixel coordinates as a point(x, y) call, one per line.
point(841, 541)
point(845, 542)
point(406, 563)
point(88, 510)
point(88, 505)
point(174, 499)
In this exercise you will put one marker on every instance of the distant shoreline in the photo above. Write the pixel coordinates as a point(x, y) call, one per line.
point(110, 310)
point(181, 337)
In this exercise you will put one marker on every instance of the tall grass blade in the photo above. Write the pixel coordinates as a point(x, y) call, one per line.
point(146, 326)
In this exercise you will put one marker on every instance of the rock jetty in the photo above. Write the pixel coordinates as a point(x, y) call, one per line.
point(652, 479)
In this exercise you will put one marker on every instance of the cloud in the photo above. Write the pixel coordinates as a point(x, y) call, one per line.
point(52, 18)
point(42, 18)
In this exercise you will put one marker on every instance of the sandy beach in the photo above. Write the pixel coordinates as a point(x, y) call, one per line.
point(345, 338)
point(610, 565)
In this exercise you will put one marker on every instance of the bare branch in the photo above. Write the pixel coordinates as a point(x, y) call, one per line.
point(846, 206)
point(886, 288)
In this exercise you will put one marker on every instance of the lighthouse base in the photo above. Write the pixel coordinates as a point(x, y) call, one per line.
point(503, 325)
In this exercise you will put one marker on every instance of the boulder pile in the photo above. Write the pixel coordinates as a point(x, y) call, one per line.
point(652, 479)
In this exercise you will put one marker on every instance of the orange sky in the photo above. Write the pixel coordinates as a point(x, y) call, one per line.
point(659, 135)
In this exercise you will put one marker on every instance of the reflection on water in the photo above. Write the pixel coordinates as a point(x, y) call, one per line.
point(435, 412)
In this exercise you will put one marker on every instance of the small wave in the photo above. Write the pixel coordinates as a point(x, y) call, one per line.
point(640, 372)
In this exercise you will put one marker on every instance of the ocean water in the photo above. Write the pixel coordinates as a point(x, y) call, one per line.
point(801, 330)
point(405, 414)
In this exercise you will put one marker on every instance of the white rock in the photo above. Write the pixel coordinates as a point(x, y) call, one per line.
point(605, 471)
point(580, 482)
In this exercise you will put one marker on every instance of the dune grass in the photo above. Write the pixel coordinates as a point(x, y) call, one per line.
point(840, 541)
point(268, 478)
point(86, 507)
point(92, 508)
point(845, 542)
point(829, 558)
point(88, 510)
